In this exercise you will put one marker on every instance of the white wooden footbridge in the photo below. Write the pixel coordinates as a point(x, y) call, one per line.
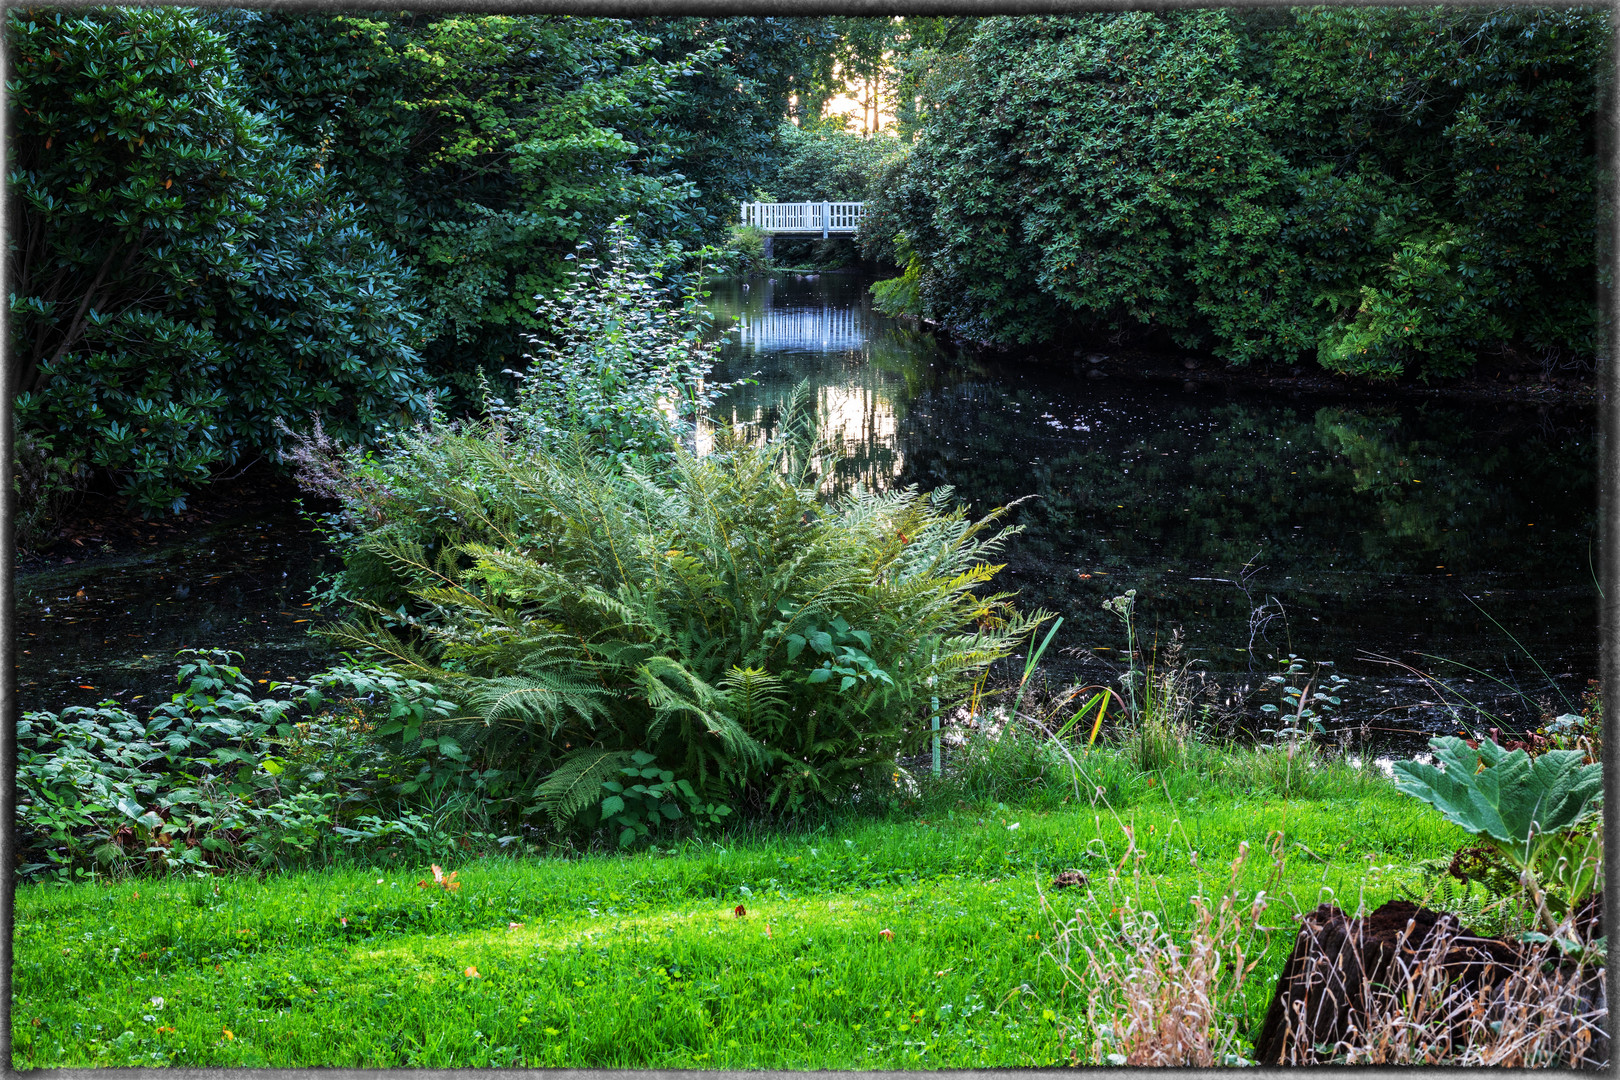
point(798, 219)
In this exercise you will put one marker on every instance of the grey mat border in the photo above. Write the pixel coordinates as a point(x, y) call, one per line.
point(1608, 532)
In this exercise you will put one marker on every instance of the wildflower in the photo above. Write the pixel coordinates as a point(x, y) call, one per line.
point(886, 934)
point(165, 1030)
point(513, 925)
point(472, 973)
point(740, 912)
point(344, 921)
point(227, 1033)
point(1013, 826)
point(156, 1003)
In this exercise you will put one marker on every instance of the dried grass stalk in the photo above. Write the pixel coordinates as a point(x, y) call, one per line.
point(1151, 1000)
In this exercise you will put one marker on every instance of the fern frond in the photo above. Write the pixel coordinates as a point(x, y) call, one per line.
point(754, 696)
point(576, 782)
point(546, 700)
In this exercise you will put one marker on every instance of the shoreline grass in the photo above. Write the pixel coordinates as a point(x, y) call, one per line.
point(639, 961)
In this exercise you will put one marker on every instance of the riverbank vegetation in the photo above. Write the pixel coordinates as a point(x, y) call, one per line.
point(928, 924)
point(229, 218)
point(1386, 191)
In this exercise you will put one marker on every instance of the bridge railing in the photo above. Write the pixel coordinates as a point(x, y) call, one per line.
point(804, 217)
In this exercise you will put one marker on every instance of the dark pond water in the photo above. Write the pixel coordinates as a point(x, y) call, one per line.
point(1358, 526)
point(1412, 531)
point(110, 628)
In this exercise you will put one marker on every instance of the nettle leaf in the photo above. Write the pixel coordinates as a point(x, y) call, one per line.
point(1506, 796)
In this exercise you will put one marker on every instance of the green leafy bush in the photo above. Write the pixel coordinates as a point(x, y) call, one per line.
point(1392, 190)
point(218, 777)
point(181, 276)
point(767, 648)
point(1529, 810)
point(624, 363)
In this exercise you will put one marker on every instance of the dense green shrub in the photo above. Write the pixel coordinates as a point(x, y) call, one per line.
point(1445, 170)
point(486, 148)
point(1393, 190)
point(765, 647)
point(181, 276)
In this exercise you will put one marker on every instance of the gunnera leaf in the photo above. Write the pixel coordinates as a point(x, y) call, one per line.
point(1508, 797)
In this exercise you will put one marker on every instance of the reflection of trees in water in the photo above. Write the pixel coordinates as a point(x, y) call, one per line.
point(1351, 511)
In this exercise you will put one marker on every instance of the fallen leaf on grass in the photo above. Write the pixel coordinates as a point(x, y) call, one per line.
point(886, 934)
point(472, 973)
point(441, 879)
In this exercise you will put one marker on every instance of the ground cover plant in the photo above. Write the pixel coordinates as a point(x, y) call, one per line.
point(230, 775)
point(912, 939)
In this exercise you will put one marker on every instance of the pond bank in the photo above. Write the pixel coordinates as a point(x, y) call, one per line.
point(1493, 380)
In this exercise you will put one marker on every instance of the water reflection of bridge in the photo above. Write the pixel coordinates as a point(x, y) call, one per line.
point(783, 330)
point(815, 330)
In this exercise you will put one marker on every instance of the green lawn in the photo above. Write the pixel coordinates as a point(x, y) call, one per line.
point(640, 961)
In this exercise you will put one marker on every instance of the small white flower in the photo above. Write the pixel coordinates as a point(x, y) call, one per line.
point(156, 1003)
point(1014, 825)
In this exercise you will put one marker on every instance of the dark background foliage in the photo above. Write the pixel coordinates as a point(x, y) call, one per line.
point(228, 220)
point(1393, 190)
point(182, 277)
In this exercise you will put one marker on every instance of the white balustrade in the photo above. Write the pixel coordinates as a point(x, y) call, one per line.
point(826, 218)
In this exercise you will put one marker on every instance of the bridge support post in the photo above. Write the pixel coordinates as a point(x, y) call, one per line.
point(768, 248)
point(826, 218)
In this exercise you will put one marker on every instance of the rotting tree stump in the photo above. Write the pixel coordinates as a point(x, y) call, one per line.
point(1340, 965)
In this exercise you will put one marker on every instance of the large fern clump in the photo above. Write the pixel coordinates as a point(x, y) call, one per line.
point(770, 648)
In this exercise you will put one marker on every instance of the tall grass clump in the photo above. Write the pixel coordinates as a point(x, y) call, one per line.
point(1156, 998)
point(1540, 1011)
